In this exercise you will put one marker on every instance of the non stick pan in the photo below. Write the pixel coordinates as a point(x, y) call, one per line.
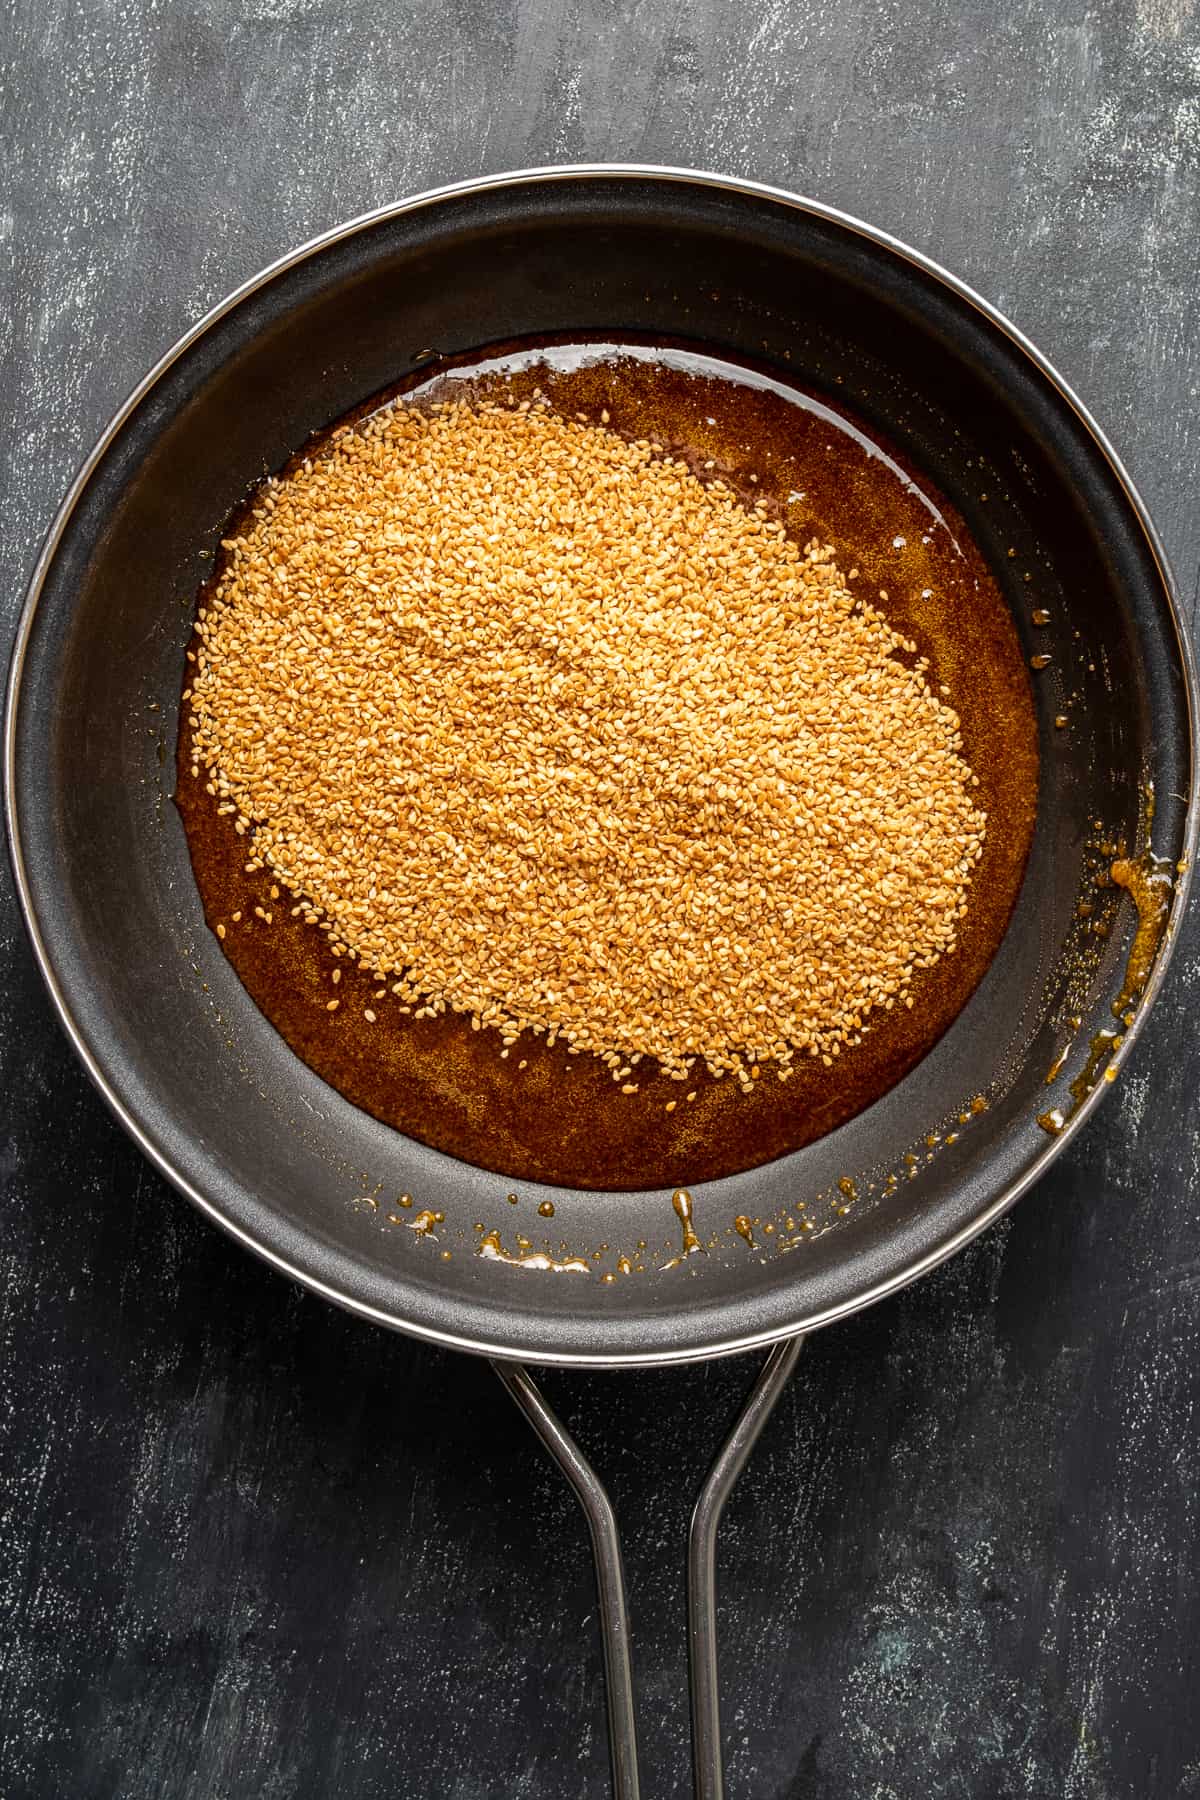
point(257, 1141)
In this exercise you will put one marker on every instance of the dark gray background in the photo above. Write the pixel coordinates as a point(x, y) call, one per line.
point(251, 1548)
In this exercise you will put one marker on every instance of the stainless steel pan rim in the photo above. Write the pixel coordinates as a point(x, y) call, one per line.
point(724, 1346)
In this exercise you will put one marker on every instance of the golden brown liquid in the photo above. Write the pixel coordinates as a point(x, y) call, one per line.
point(681, 1201)
point(1149, 881)
point(539, 1113)
point(425, 1221)
point(492, 1250)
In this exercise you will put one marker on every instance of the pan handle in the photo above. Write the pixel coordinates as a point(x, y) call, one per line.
point(707, 1767)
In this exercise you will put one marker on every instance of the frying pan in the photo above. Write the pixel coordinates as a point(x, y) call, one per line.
point(252, 1137)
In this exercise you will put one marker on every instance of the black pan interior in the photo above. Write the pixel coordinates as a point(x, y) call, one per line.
point(215, 1095)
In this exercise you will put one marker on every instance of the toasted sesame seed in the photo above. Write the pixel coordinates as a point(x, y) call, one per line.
point(542, 729)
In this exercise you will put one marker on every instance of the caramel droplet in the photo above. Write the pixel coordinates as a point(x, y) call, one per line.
point(491, 1249)
point(425, 1221)
point(681, 1200)
point(1148, 883)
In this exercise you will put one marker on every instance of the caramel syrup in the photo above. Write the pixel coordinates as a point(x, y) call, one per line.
point(492, 1250)
point(681, 1200)
point(1149, 881)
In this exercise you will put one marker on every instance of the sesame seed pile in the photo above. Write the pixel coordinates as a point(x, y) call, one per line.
point(538, 725)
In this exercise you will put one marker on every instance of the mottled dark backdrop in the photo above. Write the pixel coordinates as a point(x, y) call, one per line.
point(249, 1548)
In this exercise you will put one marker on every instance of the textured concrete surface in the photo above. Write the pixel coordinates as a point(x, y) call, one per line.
point(249, 1548)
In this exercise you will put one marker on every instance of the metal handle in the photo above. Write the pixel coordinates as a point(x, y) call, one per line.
point(610, 1572)
point(707, 1765)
